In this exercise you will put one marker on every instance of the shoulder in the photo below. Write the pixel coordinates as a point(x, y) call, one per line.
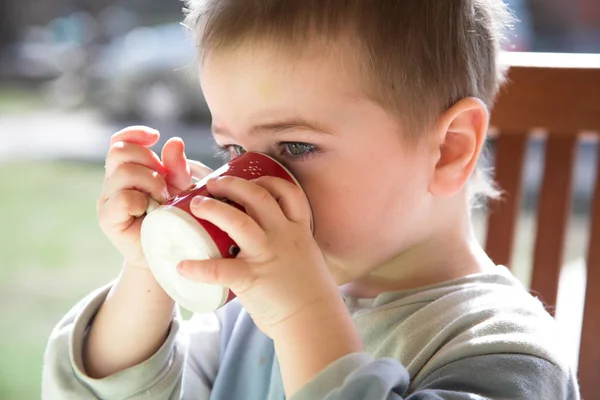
point(495, 315)
point(498, 318)
point(481, 315)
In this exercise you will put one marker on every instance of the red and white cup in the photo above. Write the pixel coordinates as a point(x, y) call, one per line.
point(171, 234)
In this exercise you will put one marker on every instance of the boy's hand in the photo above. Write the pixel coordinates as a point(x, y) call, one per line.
point(280, 275)
point(135, 174)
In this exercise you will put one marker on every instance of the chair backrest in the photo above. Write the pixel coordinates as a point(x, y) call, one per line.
point(559, 95)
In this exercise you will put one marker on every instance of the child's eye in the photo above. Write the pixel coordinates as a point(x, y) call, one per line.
point(296, 150)
point(235, 150)
point(229, 152)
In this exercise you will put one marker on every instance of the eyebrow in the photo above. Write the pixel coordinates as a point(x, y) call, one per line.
point(279, 126)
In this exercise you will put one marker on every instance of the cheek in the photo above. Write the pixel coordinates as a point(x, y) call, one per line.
point(361, 214)
point(360, 205)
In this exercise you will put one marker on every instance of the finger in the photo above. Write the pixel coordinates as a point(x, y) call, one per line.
point(291, 198)
point(198, 170)
point(258, 202)
point(125, 152)
point(233, 273)
point(122, 207)
point(136, 177)
point(237, 224)
point(142, 135)
point(174, 160)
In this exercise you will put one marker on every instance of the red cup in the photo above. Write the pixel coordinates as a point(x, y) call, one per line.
point(171, 234)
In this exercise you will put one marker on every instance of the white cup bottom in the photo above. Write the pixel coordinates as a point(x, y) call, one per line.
point(170, 235)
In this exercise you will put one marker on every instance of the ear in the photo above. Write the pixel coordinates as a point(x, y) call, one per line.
point(461, 133)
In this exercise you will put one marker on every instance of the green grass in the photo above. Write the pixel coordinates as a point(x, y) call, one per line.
point(15, 99)
point(52, 253)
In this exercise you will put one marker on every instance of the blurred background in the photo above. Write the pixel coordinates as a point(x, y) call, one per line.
point(72, 72)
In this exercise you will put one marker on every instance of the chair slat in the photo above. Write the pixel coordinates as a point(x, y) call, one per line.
point(554, 209)
point(589, 355)
point(503, 214)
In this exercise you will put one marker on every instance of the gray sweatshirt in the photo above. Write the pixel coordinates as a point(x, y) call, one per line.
point(478, 337)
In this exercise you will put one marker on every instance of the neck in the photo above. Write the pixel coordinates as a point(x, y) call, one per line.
point(451, 252)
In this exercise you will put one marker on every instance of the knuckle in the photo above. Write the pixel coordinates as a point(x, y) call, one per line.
point(115, 136)
point(127, 169)
point(117, 148)
point(246, 283)
point(115, 203)
point(116, 153)
point(263, 195)
point(212, 271)
point(124, 202)
point(296, 191)
point(242, 222)
point(125, 151)
point(262, 181)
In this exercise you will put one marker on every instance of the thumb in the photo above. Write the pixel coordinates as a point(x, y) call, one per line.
point(233, 273)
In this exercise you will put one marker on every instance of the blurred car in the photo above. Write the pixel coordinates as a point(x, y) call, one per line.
point(39, 57)
point(150, 74)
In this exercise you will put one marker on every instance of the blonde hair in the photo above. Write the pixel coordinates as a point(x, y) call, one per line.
point(419, 57)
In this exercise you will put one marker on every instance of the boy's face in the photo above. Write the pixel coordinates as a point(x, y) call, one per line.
point(367, 187)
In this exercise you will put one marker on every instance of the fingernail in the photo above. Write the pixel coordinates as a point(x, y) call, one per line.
point(196, 201)
point(181, 268)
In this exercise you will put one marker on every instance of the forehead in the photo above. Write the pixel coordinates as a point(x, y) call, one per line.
point(270, 71)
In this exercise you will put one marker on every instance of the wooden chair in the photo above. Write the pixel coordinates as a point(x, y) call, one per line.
point(559, 93)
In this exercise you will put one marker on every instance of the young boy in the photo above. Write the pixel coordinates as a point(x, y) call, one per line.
point(380, 109)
